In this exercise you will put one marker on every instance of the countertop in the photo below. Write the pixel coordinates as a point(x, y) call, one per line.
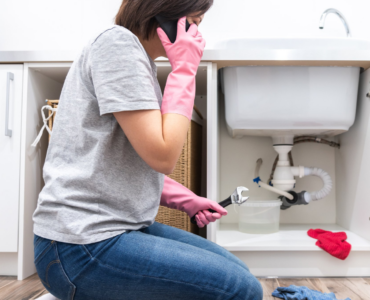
point(225, 57)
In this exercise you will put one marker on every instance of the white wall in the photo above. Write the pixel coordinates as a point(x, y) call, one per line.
point(68, 24)
point(241, 18)
point(52, 24)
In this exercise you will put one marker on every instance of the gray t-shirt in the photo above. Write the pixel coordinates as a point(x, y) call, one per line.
point(96, 185)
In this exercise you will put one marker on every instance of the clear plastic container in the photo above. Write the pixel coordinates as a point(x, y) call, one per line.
point(259, 216)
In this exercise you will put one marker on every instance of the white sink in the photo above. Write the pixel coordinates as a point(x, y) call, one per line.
point(294, 43)
point(272, 100)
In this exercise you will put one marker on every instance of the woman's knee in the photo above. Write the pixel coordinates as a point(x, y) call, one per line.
point(238, 283)
point(229, 255)
point(253, 288)
point(245, 286)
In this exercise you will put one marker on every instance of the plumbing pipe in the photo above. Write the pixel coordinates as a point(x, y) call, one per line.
point(303, 139)
point(283, 178)
point(261, 184)
point(315, 139)
point(298, 200)
point(328, 184)
point(298, 171)
point(275, 190)
point(275, 164)
point(258, 166)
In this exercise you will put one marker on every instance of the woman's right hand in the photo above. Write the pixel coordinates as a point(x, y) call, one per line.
point(184, 55)
point(188, 48)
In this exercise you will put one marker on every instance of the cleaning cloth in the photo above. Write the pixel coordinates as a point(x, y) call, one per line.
point(294, 292)
point(332, 242)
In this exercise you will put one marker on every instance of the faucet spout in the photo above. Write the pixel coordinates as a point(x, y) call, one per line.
point(339, 14)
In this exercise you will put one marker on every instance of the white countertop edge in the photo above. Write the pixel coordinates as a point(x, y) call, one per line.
point(209, 55)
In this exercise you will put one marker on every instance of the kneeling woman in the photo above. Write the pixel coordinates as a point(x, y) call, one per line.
point(113, 140)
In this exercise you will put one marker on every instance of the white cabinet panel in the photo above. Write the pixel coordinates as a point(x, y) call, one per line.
point(11, 77)
point(353, 168)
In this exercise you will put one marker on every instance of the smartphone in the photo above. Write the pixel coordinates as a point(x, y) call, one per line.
point(170, 27)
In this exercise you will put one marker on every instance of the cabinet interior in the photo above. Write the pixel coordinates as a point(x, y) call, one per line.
point(334, 212)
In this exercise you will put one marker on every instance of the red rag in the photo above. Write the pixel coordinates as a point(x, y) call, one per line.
point(332, 242)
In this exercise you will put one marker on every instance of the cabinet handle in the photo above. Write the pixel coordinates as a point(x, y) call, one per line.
point(10, 76)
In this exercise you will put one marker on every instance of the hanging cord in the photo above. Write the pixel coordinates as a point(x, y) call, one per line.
point(303, 139)
point(44, 119)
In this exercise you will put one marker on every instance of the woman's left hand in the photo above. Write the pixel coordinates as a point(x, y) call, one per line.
point(176, 196)
point(204, 217)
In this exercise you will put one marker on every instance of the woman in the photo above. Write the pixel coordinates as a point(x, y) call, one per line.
point(113, 140)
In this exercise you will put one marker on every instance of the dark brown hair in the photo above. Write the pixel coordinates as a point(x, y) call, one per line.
point(138, 15)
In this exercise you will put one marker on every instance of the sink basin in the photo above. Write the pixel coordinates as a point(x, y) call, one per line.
point(272, 100)
point(288, 100)
point(294, 43)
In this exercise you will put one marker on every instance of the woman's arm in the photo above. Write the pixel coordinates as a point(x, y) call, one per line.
point(157, 138)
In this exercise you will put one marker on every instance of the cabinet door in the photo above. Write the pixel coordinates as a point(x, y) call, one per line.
point(11, 78)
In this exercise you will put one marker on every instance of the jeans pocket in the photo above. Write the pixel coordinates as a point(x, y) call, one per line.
point(41, 247)
point(51, 272)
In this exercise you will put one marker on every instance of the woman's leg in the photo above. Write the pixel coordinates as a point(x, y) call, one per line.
point(50, 269)
point(136, 265)
point(173, 233)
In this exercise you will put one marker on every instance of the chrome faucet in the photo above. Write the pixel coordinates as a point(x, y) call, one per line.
point(339, 14)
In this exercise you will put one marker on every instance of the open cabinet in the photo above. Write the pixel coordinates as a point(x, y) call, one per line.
point(43, 81)
point(228, 163)
point(291, 252)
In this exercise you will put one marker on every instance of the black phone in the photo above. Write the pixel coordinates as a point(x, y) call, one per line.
point(170, 27)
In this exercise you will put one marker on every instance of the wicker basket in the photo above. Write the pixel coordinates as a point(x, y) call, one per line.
point(187, 172)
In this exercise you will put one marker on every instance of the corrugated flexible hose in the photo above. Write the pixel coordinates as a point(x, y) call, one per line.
point(325, 177)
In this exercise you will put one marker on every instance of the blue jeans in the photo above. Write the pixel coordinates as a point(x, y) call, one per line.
point(158, 262)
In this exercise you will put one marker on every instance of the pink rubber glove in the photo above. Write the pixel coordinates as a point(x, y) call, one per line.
point(176, 196)
point(184, 56)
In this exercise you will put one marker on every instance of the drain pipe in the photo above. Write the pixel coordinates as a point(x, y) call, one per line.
point(261, 184)
point(291, 198)
point(325, 177)
point(284, 174)
point(283, 179)
point(306, 197)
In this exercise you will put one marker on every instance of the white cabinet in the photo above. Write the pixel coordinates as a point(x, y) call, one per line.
point(11, 79)
point(230, 163)
point(43, 81)
point(291, 252)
